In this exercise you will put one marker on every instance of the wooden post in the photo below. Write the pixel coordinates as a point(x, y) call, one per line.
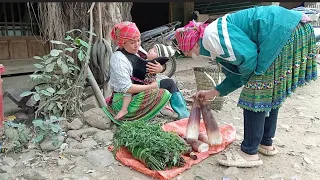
point(2, 70)
point(290, 5)
point(170, 12)
point(187, 10)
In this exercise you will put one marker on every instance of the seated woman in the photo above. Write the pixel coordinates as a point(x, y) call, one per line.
point(149, 99)
point(158, 53)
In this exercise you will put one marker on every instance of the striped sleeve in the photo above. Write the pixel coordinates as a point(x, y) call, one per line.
point(227, 42)
point(217, 40)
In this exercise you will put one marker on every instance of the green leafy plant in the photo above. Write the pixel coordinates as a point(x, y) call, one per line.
point(17, 136)
point(62, 73)
point(49, 128)
point(157, 149)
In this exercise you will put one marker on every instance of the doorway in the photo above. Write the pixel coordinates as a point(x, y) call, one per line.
point(150, 15)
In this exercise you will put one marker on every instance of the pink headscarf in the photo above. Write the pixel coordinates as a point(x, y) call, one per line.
point(189, 35)
point(125, 31)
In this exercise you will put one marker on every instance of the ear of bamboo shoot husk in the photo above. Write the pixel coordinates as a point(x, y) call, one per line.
point(203, 137)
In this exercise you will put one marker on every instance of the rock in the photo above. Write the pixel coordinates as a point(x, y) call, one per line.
point(276, 177)
point(64, 125)
point(104, 137)
point(9, 161)
point(97, 118)
point(135, 178)
point(21, 116)
point(231, 171)
point(29, 155)
point(76, 171)
point(296, 166)
point(286, 127)
point(4, 176)
point(75, 124)
point(34, 175)
point(90, 103)
point(100, 158)
point(236, 118)
point(301, 114)
point(90, 171)
point(72, 142)
point(47, 144)
point(84, 178)
point(6, 169)
point(179, 177)
point(27, 158)
point(295, 178)
point(63, 162)
point(81, 162)
point(300, 97)
point(1, 131)
point(76, 134)
point(63, 146)
point(74, 152)
point(292, 153)
point(104, 178)
point(87, 143)
point(307, 160)
point(238, 137)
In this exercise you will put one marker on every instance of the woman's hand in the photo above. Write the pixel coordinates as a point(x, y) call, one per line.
point(205, 95)
point(154, 68)
point(154, 85)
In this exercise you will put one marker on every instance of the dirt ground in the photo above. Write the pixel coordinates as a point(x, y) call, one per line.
point(297, 139)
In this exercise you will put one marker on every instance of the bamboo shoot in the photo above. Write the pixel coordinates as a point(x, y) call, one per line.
point(212, 128)
point(197, 145)
point(194, 121)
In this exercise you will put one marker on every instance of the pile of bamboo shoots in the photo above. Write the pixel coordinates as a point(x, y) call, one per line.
point(200, 142)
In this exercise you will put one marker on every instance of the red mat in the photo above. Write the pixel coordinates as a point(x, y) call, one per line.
point(228, 135)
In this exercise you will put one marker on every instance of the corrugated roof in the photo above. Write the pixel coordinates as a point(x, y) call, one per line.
point(214, 8)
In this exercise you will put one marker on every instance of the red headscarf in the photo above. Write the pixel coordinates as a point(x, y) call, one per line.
point(189, 35)
point(125, 31)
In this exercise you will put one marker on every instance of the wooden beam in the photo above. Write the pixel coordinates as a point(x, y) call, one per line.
point(290, 5)
point(170, 12)
point(187, 10)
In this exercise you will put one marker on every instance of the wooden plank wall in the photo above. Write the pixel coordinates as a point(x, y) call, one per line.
point(21, 47)
point(16, 53)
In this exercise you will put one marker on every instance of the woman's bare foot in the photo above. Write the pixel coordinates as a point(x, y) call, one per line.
point(120, 114)
point(269, 148)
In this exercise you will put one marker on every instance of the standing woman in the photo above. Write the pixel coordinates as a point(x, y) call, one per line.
point(268, 49)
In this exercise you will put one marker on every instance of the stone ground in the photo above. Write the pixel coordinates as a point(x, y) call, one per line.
point(84, 154)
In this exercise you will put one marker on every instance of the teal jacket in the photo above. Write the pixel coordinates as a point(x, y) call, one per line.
point(247, 42)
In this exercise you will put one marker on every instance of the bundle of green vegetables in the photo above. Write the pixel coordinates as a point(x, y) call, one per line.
point(157, 149)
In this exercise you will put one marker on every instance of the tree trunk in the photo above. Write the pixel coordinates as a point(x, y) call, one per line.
point(55, 18)
point(112, 13)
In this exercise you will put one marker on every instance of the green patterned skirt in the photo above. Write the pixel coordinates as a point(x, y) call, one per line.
point(143, 106)
point(294, 66)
